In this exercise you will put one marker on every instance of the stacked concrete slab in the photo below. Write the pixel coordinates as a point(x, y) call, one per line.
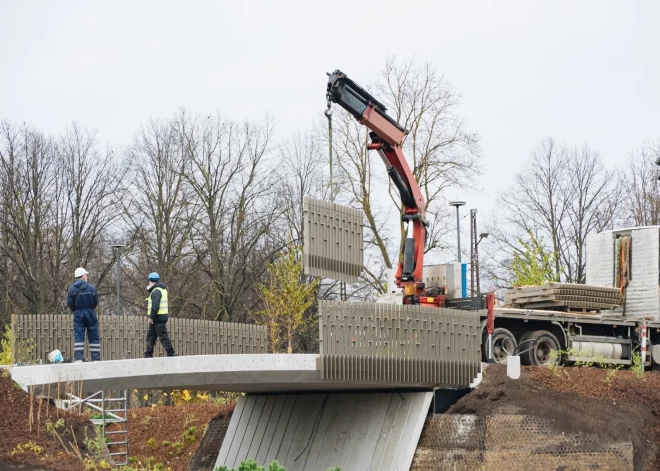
point(564, 297)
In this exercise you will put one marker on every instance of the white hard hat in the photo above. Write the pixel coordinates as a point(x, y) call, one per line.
point(80, 272)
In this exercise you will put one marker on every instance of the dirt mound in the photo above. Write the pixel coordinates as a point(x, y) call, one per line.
point(171, 435)
point(588, 406)
point(26, 437)
point(622, 387)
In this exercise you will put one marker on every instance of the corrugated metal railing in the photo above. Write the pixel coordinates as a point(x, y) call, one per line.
point(123, 337)
point(399, 343)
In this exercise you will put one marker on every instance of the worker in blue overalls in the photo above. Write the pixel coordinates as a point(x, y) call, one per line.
point(82, 300)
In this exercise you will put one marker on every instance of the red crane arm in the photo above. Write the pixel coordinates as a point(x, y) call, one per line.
point(386, 138)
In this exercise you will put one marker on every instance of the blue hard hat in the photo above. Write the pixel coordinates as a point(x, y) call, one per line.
point(153, 276)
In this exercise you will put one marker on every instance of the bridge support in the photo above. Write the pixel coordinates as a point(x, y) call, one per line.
point(355, 431)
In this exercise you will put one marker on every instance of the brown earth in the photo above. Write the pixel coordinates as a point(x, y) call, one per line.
point(26, 444)
point(25, 440)
point(158, 434)
point(615, 405)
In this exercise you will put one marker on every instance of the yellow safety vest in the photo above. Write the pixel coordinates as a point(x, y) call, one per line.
point(162, 309)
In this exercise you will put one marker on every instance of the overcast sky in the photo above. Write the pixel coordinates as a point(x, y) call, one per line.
point(586, 71)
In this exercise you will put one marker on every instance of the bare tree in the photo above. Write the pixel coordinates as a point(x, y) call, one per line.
point(440, 152)
point(27, 178)
point(562, 194)
point(234, 193)
point(58, 199)
point(593, 204)
point(302, 172)
point(159, 212)
point(89, 195)
point(642, 189)
point(93, 183)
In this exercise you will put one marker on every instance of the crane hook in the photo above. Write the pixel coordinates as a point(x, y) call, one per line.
point(328, 112)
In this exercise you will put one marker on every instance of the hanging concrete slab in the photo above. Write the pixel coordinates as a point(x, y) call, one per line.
point(357, 432)
point(332, 240)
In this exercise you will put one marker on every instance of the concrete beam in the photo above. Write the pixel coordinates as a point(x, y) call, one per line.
point(257, 373)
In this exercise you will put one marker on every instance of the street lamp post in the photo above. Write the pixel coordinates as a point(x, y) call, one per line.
point(116, 248)
point(458, 204)
point(482, 236)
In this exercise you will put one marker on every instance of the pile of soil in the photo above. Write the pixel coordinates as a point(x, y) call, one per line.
point(622, 387)
point(171, 435)
point(25, 439)
point(577, 401)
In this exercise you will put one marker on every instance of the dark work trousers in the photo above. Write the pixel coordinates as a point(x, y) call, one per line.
point(158, 330)
point(86, 320)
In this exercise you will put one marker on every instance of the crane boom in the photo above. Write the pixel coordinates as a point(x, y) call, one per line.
point(386, 137)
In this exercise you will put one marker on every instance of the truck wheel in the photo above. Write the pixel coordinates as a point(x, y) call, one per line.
point(504, 343)
point(539, 353)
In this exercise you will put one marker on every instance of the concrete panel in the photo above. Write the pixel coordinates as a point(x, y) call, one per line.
point(399, 343)
point(642, 294)
point(332, 240)
point(600, 259)
point(123, 337)
point(377, 431)
point(240, 373)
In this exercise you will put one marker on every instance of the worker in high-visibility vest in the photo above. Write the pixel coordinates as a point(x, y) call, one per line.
point(157, 310)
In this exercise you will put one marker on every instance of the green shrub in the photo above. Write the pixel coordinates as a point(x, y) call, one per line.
point(189, 435)
point(251, 465)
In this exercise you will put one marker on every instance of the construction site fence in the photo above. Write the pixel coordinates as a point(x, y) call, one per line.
point(123, 337)
point(399, 343)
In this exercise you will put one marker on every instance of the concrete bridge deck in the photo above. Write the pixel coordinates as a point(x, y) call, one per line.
point(256, 373)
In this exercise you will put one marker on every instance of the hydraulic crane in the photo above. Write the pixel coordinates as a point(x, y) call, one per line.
point(386, 137)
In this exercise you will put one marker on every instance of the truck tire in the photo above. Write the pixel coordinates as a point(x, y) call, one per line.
point(538, 354)
point(504, 343)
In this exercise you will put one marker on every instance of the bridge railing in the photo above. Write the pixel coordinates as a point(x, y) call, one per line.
point(123, 337)
point(399, 343)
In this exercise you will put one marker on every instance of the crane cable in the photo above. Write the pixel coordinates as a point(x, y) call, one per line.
point(328, 114)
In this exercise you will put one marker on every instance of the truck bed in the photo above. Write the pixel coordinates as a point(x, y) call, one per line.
point(608, 317)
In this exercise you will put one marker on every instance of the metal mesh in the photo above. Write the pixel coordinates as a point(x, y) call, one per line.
point(205, 456)
point(512, 442)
